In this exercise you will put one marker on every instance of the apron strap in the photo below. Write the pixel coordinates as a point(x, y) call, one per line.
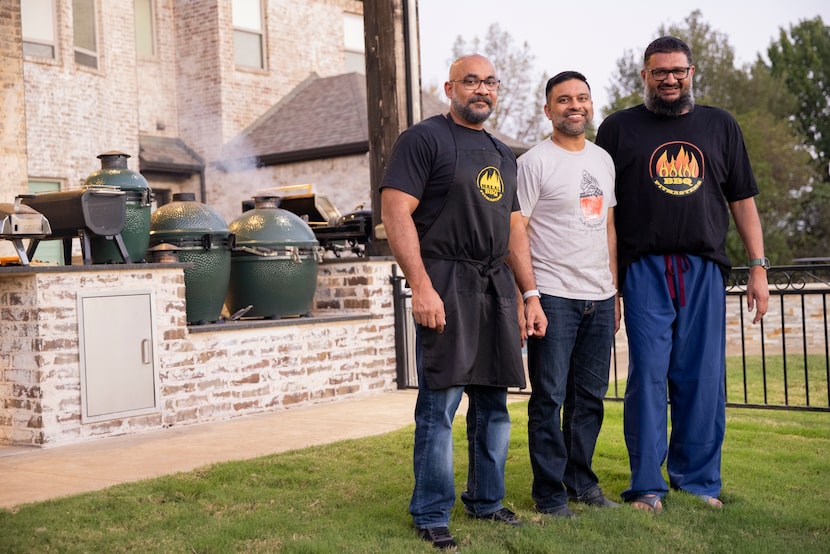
point(485, 267)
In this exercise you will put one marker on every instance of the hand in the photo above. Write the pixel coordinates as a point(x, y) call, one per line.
point(428, 309)
point(757, 293)
point(536, 324)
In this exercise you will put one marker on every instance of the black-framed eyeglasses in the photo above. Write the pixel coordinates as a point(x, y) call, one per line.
point(679, 73)
point(471, 83)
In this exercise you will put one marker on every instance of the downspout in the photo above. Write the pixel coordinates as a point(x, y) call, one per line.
point(399, 308)
point(412, 60)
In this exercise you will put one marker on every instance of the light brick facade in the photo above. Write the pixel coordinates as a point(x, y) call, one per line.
point(62, 115)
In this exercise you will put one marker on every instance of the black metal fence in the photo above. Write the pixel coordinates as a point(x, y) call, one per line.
point(783, 362)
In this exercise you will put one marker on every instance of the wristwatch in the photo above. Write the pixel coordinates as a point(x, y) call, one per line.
point(763, 262)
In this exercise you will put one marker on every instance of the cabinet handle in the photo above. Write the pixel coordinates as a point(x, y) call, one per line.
point(145, 351)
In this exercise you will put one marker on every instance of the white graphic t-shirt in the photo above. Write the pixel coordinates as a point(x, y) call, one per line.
point(567, 196)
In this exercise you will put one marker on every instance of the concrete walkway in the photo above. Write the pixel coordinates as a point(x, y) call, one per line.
point(30, 474)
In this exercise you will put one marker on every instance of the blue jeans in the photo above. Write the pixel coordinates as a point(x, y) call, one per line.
point(568, 370)
point(488, 435)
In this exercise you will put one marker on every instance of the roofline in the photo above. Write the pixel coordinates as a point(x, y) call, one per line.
point(280, 158)
point(171, 167)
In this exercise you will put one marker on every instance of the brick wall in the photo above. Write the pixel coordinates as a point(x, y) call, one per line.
point(157, 102)
point(12, 126)
point(205, 374)
point(190, 89)
point(73, 112)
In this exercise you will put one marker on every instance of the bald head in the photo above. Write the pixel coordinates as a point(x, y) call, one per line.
point(472, 89)
point(460, 67)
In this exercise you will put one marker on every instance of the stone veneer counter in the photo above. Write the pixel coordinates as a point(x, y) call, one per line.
point(200, 372)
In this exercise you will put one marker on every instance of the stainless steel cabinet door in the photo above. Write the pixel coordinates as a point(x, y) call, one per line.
point(117, 354)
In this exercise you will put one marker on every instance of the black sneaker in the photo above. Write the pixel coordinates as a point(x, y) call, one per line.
point(595, 498)
point(440, 537)
point(502, 515)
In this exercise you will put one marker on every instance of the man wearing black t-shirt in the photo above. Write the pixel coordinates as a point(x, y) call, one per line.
point(452, 218)
point(679, 166)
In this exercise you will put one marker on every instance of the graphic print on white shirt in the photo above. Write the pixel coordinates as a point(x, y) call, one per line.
point(590, 200)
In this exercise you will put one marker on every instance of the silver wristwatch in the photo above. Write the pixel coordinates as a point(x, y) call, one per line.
point(763, 262)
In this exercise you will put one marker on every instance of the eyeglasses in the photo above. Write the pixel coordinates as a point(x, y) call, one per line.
point(663, 74)
point(471, 83)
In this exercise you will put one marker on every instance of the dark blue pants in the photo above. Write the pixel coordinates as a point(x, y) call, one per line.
point(568, 370)
point(677, 352)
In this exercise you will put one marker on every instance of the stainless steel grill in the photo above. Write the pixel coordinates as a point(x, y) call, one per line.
point(18, 222)
point(335, 232)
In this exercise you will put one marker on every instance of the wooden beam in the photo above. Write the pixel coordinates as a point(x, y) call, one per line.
point(387, 92)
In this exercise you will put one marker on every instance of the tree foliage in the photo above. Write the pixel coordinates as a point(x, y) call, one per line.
point(626, 88)
point(518, 112)
point(802, 58)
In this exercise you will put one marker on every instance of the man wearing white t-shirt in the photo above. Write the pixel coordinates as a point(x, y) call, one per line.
point(566, 192)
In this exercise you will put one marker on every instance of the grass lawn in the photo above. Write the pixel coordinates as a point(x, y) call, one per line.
point(352, 496)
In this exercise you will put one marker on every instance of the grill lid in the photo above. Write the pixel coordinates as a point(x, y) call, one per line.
point(186, 217)
point(269, 227)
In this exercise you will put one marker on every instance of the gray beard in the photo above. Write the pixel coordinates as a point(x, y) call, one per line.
point(657, 105)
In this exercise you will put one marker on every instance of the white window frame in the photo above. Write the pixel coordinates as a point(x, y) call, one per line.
point(40, 29)
point(247, 24)
point(354, 44)
point(150, 28)
point(85, 56)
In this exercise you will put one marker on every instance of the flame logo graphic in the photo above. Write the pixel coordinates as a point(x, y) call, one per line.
point(677, 168)
point(684, 165)
point(490, 184)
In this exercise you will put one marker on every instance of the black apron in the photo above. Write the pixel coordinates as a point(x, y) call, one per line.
point(463, 251)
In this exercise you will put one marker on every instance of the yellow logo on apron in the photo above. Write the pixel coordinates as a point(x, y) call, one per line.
point(490, 184)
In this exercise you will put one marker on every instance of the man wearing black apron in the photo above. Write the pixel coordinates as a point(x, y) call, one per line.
point(452, 218)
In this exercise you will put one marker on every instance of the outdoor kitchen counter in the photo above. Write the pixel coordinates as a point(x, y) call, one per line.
point(37, 268)
point(197, 373)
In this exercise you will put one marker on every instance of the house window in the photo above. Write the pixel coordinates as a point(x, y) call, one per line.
point(38, 17)
point(354, 43)
point(247, 33)
point(144, 37)
point(83, 24)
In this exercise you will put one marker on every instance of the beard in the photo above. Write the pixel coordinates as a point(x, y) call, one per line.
point(568, 127)
point(657, 105)
point(469, 113)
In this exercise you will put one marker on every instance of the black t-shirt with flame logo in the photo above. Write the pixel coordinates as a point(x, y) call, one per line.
point(674, 178)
